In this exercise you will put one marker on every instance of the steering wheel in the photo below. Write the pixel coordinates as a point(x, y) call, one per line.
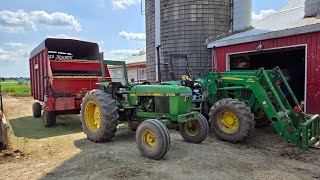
point(210, 69)
point(146, 83)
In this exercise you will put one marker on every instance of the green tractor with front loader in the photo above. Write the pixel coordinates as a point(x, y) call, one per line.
point(149, 107)
point(237, 101)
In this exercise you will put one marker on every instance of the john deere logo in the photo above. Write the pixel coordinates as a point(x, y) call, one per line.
point(250, 80)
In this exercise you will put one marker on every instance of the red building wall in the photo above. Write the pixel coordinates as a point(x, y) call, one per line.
point(312, 40)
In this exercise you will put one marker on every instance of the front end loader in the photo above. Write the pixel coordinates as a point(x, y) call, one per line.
point(237, 101)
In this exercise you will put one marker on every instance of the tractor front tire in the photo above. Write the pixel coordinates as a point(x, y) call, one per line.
point(195, 131)
point(260, 116)
point(261, 121)
point(231, 120)
point(36, 110)
point(48, 118)
point(153, 139)
point(99, 116)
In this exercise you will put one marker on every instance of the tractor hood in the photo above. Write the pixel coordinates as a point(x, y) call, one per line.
point(160, 90)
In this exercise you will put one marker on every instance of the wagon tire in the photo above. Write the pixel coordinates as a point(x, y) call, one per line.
point(99, 116)
point(36, 110)
point(195, 131)
point(48, 118)
point(153, 139)
point(231, 120)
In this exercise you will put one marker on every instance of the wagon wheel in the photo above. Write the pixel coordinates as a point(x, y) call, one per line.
point(36, 110)
point(48, 118)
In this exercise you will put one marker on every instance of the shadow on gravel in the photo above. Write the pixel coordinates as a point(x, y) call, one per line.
point(116, 159)
point(30, 127)
point(212, 159)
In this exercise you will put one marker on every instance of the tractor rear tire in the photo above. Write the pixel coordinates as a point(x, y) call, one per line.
point(195, 131)
point(134, 125)
point(36, 110)
point(231, 120)
point(153, 139)
point(99, 116)
point(48, 118)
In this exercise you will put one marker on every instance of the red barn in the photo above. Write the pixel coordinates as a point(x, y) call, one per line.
point(287, 39)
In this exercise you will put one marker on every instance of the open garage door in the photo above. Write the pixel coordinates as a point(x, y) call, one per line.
point(292, 61)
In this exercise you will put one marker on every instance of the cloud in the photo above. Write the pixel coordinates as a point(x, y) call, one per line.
point(262, 14)
point(20, 21)
point(15, 45)
point(15, 52)
point(14, 69)
point(132, 36)
point(63, 36)
point(12, 56)
point(122, 53)
point(123, 4)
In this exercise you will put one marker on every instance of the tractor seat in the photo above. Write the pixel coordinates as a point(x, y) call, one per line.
point(187, 83)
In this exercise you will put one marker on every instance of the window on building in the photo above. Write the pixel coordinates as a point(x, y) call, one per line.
point(142, 74)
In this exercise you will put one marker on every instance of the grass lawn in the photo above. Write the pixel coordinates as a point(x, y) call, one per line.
point(13, 87)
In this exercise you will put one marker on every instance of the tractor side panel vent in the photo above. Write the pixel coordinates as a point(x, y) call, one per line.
point(162, 104)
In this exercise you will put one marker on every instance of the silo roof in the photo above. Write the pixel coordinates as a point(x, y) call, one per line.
point(289, 21)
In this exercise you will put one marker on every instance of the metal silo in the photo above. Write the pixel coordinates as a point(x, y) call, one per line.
point(182, 27)
point(241, 15)
point(312, 7)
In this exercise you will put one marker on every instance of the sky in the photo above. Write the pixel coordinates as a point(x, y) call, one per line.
point(116, 25)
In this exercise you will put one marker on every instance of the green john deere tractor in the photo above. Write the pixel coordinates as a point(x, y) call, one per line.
point(149, 107)
point(237, 101)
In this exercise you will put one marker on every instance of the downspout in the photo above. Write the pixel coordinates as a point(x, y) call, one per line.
point(159, 64)
point(231, 15)
point(215, 63)
point(157, 33)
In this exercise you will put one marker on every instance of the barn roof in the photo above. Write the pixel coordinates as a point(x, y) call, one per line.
point(289, 21)
point(135, 59)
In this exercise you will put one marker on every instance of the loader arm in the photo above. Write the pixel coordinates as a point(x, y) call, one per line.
point(298, 128)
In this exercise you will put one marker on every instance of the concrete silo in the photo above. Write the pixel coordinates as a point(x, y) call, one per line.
point(182, 27)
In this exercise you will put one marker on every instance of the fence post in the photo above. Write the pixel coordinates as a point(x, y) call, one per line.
point(1, 105)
